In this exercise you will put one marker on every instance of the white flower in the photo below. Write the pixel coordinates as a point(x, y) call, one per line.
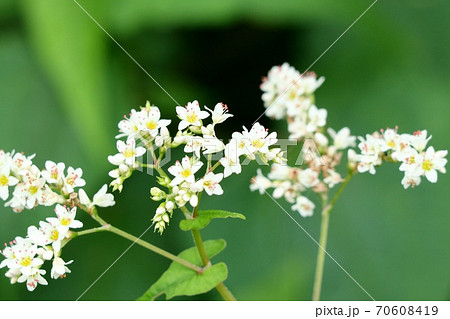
point(131, 126)
point(190, 115)
point(308, 177)
point(210, 183)
point(193, 145)
point(34, 187)
point(33, 278)
point(219, 114)
point(431, 162)
point(260, 183)
point(47, 234)
point(59, 268)
point(419, 140)
point(65, 219)
point(211, 144)
point(231, 160)
point(410, 180)
point(101, 198)
point(279, 172)
point(54, 173)
point(184, 171)
point(20, 162)
point(152, 121)
point(73, 179)
point(5, 181)
point(342, 139)
point(26, 257)
point(127, 152)
point(333, 178)
point(304, 206)
point(259, 139)
point(317, 118)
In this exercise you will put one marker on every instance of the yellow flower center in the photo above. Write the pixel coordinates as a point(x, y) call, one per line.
point(25, 261)
point(128, 153)
point(207, 183)
point(411, 160)
point(186, 172)
point(54, 174)
point(65, 221)
point(391, 144)
point(258, 143)
point(192, 118)
point(3, 180)
point(54, 235)
point(426, 165)
point(33, 190)
point(151, 125)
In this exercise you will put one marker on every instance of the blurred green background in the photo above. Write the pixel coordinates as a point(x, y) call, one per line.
point(64, 85)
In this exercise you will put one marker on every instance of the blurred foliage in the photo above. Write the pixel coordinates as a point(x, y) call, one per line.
point(64, 84)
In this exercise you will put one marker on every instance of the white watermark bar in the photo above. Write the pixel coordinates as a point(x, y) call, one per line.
point(240, 309)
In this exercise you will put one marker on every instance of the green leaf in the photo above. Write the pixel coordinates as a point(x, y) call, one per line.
point(178, 280)
point(204, 217)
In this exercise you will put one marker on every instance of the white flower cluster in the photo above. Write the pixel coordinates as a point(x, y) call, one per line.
point(47, 187)
point(33, 187)
point(198, 139)
point(408, 149)
point(25, 256)
point(145, 127)
point(289, 95)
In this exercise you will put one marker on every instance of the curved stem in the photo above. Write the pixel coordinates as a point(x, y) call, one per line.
point(117, 231)
point(326, 209)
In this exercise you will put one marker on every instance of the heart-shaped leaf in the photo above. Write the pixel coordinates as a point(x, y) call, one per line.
point(179, 280)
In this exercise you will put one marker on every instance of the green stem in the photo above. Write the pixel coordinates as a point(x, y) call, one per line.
point(221, 288)
point(324, 236)
point(117, 231)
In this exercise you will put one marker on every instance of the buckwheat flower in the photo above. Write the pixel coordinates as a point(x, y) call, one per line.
point(128, 152)
point(34, 187)
point(48, 233)
point(304, 206)
point(54, 173)
point(231, 160)
point(308, 177)
point(33, 278)
point(333, 178)
point(152, 122)
point(73, 179)
point(259, 139)
point(193, 145)
point(342, 139)
point(20, 162)
point(367, 163)
point(419, 140)
point(190, 115)
point(26, 258)
point(309, 83)
point(317, 118)
point(431, 162)
point(6, 180)
point(13, 275)
point(65, 219)
point(184, 171)
point(260, 183)
point(212, 144)
point(59, 268)
point(210, 184)
point(410, 180)
point(101, 198)
point(130, 127)
point(220, 113)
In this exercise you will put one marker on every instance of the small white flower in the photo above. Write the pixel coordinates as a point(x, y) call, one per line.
point(260, 183)
point(184, 171)
point(419, 140)
point(127, 152)
point(33, 278)
point(130, 127)
point(6, 180)
point(342, 139)
point(308, 177)
point(219, 114)
point(317, 118)
point(210, 183)
point(231, 160)
point(59, 268)
point(431, 162)
point(54, 173)
point(152, 121)
point(73, 179)
point(65, 219)
point(304, 206)
point(101, 198)
point(191, 115)
point(333, 178)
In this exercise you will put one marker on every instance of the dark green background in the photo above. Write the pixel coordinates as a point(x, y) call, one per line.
point(64, 85)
